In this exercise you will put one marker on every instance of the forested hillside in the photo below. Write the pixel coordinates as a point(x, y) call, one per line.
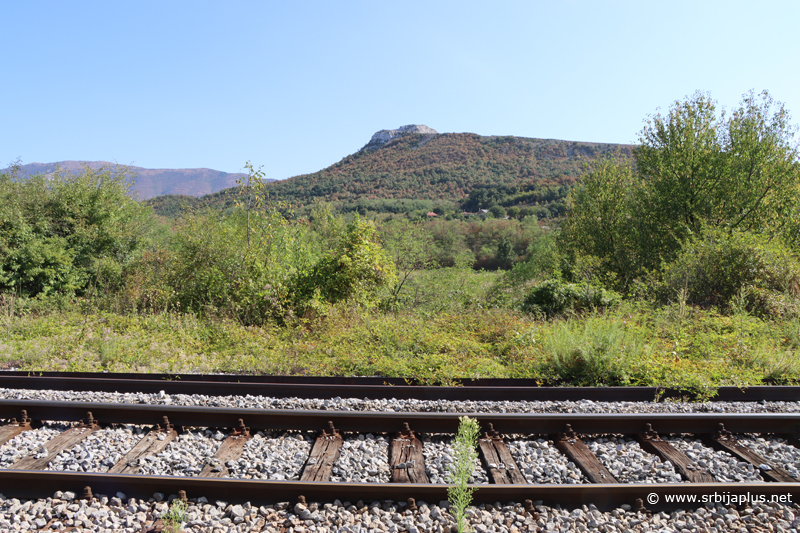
point(468, 170)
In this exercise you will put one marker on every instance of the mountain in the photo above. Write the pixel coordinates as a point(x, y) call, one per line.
point(417, 163)
point(149, 182)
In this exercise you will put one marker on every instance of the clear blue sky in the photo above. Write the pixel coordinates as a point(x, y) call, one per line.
point(296, 86)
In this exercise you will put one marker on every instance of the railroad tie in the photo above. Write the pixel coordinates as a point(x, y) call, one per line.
point(151, 444)
point(724, 440)
point(319, 465)
point(65, 440)
point(651, 442)
point(15, 427)
point(230, 450)
point(497, 460)
point(576, 450)
point(406, 458)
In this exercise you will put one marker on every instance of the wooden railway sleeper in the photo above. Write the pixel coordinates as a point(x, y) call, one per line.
point(65, 440)
point(497, 459)
point(324, 453)
point(229, 450)
point(153, 443)
point(406, 460)
point(579, 453)
point(15, 427)
point(724, 440)
point(651, 442)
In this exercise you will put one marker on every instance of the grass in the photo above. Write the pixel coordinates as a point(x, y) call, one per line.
point(434, 342)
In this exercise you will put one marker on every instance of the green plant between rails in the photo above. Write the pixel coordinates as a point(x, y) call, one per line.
point(175, 516)
point(459, 493)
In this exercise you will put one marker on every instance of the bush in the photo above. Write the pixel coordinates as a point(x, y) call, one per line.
point(357, 269)
point(237, 266)
point(555, 297)
point(66, 233)
point(719, 267)
point(591, 351)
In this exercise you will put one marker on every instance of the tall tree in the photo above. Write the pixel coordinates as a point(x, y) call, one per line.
point(695, 167)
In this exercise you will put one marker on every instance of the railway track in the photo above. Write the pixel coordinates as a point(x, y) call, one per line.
point(405, 435)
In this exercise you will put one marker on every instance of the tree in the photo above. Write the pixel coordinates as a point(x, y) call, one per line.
point(703, 167)
point(695, 168)
point(603, 219)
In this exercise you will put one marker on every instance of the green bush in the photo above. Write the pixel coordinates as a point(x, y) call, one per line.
point(66, 233)
point(236, 265)
point(591, 351)
point(356, 269)
point(555, 297)
point(720, 266)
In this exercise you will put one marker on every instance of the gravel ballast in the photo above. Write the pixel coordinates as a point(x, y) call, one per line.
point(394, 405)
point(120, 514)
point(277, 455)
point(29, 442)
point(628, 463)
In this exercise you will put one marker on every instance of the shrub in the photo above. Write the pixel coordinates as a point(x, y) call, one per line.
point(591, 351)
point(64, 232)
point(233, 265)
point(356, 269)
point(715, 268)
point(555, 297)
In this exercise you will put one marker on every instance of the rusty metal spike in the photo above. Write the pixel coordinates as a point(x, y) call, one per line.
point(182, 495)
point(165, 424)
point(638, 507)
point(89, 420)
point(87, 493)
point(301, 499)
point(330, 430)
point(241, 428)
point(649, 432)
point(530, 509)
point(568, 434)
point(411, 505)
point(722, 433)
point(490, 431)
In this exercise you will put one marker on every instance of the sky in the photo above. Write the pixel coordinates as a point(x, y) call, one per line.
point(296, 86)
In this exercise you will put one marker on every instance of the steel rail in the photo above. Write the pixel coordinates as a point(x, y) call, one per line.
point(371, 421)
point(356, 387)
point(38, 484)
point(41, 484)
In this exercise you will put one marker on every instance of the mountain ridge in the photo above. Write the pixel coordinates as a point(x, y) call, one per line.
point(150, 182)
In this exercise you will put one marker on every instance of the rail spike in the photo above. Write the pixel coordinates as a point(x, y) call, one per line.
point(89, 421)
point(165, 424)
point(407, 432)
point(530, 509)
point(241, 429)
point(568, 434)
point(330, 431)
point(490, 432)
point(650, 433)
point(722, 433)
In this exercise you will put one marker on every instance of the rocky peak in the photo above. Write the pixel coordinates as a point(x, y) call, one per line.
point(385, 136)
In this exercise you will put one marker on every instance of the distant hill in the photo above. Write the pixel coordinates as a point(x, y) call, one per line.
point(417, 163)
point(149, 182)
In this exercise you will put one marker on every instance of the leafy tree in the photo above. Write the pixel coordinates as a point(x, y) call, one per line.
point(721, 266)
point(703, 167)
point(695, 168)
